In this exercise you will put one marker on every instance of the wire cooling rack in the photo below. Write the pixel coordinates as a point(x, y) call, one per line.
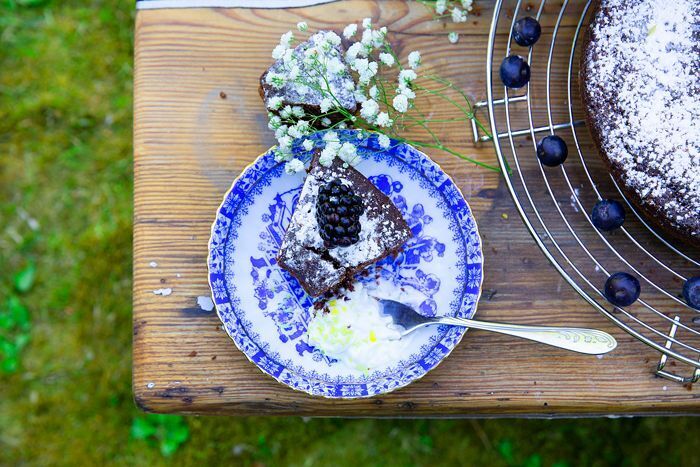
point(555, 203)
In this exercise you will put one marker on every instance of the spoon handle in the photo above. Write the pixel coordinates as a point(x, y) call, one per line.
point(588, 341)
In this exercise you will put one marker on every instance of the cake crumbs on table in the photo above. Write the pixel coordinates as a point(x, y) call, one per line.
point(205, 303)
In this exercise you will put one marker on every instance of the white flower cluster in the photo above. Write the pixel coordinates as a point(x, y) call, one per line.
point(306, 70)
point(346, 151)
point(458, 15)
point(458, 10)
point(365, 57)
point(317, 67)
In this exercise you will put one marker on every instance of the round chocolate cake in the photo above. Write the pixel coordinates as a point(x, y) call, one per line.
point(640, 80)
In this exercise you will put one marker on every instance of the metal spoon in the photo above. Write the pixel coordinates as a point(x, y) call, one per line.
point(588, 341)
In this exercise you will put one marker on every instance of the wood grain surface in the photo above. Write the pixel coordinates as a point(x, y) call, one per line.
point(198, 120)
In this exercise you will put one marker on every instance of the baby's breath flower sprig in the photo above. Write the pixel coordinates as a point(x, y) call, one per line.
point(455, 10)
point(366, 87)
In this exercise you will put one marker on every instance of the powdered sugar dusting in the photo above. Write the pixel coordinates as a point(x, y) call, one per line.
point(643, 68)
point(369, 246)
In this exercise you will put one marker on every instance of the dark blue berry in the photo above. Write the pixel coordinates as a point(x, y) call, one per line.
point(622, 289)
point(515, 72)
point(552, 151)
point(691, 292)
point(345, 241)
point(526, 31)
point(608, 215)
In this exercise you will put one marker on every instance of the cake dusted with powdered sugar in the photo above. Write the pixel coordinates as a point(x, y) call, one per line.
point(326, 244)
point(283, 84)
point(640, 77)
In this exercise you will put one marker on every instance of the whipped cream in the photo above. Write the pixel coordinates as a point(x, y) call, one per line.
point(353, 331)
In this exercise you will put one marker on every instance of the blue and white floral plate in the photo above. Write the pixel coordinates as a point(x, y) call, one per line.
point(266, 312)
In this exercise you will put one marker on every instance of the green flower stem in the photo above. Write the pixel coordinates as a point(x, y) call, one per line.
point(466, 100)
point(389, 49)
point(430, 5)
point(438, 145)
point(450, 151)
point(422, 123)
point(469, 113)
point(441, 120)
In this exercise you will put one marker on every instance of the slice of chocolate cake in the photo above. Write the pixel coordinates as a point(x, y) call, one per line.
point(341, 225)
point(330, 55)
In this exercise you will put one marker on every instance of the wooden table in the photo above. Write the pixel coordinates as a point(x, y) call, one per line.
point(198, 120)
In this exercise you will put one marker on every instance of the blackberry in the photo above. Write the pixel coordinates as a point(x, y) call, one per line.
point(338, 212)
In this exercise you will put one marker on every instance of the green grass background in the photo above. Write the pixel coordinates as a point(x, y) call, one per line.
point(66, 209)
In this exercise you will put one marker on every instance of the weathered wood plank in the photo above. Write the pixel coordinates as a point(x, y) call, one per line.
point(199, 121)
